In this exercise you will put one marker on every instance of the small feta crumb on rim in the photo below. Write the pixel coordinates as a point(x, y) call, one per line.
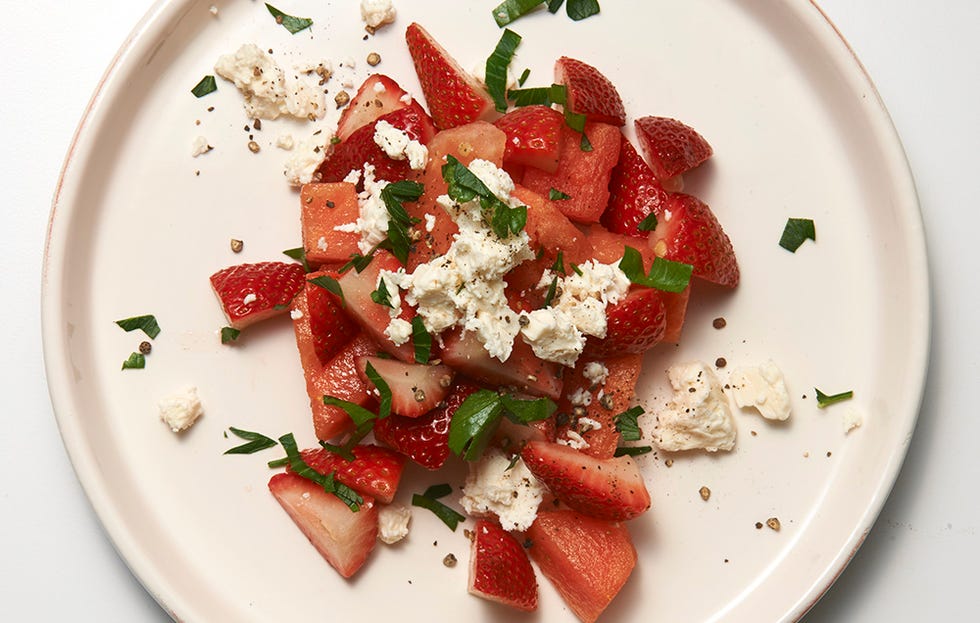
point(249, 298)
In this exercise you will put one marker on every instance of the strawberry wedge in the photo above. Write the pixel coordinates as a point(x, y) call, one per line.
point(671, 147)
point(416, 389)
point(378, 96)
point(533, 137)
point(589, 92)
point(692, 235)
point(499, 568)
point(249, 293)
point(375, 471)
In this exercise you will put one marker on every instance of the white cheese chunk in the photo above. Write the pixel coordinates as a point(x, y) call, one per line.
point(393, 522)
point(512, 493)
point(852, 419)
point(762, 388)
point(181, 410)
point(269, 91)
point(200, 146)
point(377, 13)
point(698, 416)
point(398, 145)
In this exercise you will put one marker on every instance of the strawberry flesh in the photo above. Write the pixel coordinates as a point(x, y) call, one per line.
point(634, 194)
point(589, 93)
point(635, 324)
point(671, 147)
point(249, 293)
point(378, 96)
point(533, 137)
point(375, 471)
point(415, 388)
point(693, 235)
point(499, 568)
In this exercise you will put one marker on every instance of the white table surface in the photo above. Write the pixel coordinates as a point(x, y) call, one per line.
point(917, 563)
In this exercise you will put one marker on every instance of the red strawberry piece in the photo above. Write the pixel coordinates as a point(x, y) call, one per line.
point(252, 292)
point(330, 327)
point(378, 96)
point(416, 389)
point(424, 439)
point(375, 317)
point(465, 354)
point(671, 147)
point(607, 400)
point(344, 538)
point(606, 489)
point(533, 137)
point(633, 325)
point(692, 235)
point(375, 471)
point(634, 194)
point(589, 92)
point(360, 149)
point(454, 96)
point(323, 207)
point(587, 560)
point(675, 306)
point(499, 568)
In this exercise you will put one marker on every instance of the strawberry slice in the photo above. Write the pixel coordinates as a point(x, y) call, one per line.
point(378, 96)
point(424, 439)
point(671, 147)
point(330, 327)
point(360, 149)
point(633, 325)
point(607, 489)
point(690, 233)
point(375, 471)
point(533, 137)
point(454, 96)
point(589, 92)
point(464, 353)
point(634, 194)
point(344, 538)
point(249, 293)
point(416, 389)
point(587, 560)
point(499, 568)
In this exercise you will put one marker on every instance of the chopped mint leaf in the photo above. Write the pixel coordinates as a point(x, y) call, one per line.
point(576, 269)
point(506, 219)
point(298, 254)
point(283, 462)
point(421, 340)
point(296, 463)
point(381, 296)
point(384, 408)
point(554, 5)
point(575, 121)
point(329, 284)
point(147, 324)
point(357, 413)
point(477, 418)
point(291, 23)
point(664, 274)
point(256, 442)
point(229, 334)
point(649, 223)
point(464, 186)
point(632, 450)
point(136, 361)
point(430, 502)
point(496, 68)
point(524, 411)
point(346, 451)
point(524, 77)
point(509, 10)
point(357, 262)
point(544, 96)
point(559, 265)
point(205, 86)
point(626, 423)
point(394, 195)
point(556, 195)
point(580, 9)
point(796, 232)
point(823, 400)
point(552, 291)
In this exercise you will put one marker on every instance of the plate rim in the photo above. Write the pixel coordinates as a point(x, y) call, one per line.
point(147, 32)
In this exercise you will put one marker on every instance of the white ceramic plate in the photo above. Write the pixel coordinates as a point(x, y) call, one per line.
point(798, 131)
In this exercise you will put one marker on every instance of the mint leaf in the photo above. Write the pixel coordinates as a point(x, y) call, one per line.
point(381, 296)
point(580, 9)
point(823, 400)
point(556, 195)
point(524, 411)
point(438, 491)
point(358, 414)
point(421, 340)
point(289, 22)
point(394, 195)
point(136, 361)
point(524, 77)
point(147, 324)
point(576, 269)
point(543, 96)
point(296, 463)
point(626, 424)
point(283, 462)
point(559, 265)
point(384, 408)
point(552, 291)
point(298, 254)
point(496, 68)
point(205, 86)
point(358, 262)
point(429, 501)
point(649, 223)
point(554, 5)
point(256, 442)
point(229, 334)
point(509, 10)
point(796, 232)
point(464, 186)
point(474, 423)
point(664, 274)
point(632, 450)
point(329, 284)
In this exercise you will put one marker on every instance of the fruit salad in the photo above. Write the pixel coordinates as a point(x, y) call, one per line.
point(479, 280)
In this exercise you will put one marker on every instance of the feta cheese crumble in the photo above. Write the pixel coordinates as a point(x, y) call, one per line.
point(372, 220)
point(377, 13)
point(763, 388)
point(181, 410)
point(285, 141)
point(852, 419)
point(303, 162)
point(269, 91)
point(698, 416)
point(295, 314)
point(249, 298)
point(398, 145)
point(596, 373)
point(393, 522)
point(512, 493)
point(200, 146)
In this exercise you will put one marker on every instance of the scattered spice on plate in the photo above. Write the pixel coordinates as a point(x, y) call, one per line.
point(342, 99)
point(145, 347)
point(449, 560)
point(719, 323)
point(758, 525)
point(373, 59)
point(721, 362)
point(773, 522)
point(705, 493)
point(253, 147)
point(237, 245)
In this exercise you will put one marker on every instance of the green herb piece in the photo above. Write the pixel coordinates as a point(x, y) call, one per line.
point(399, 221)
point(464, 186)
point(580, 9)
point(346, 451)
point(384, 407)
point(554, 5)
point(649, 223)
point(335, 140)
point(664, 274)
point(576, 121)
point(205, 86)
point(381, 296)
point(329, 284)
point(559, 265)
point(496, 68)
point(136, 361)
point(797, 231)
point(632, 450)
point(147, 324)
point(283, 462)
point(524, 77)
point(576, 269)
point(229, 334)
point(552, 291)
point(298, 254)
point(256, 442)
point(358, 262)
point(626, 423)
point(430, 501)
point(478, 416)
point(823, 400)
point(544, 96)
point(525, 411)
point(296, 463)
point(356, 412)
point(509, 10)
point(556, 195)
point(289, 22)
point(421, 340)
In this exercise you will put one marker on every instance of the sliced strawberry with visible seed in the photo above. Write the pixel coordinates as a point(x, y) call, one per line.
point(375, 471)
point(633, 325)
point(533, 137)
point(249, 293)
point(690, 233)
point(671, 147)
point(606, 489)
point(499, 568)
point(330, 327)
point(634, 194)
point(454, 96)
point(522, 370)
point(589, 92)
point(416, 389)
point(378, 96)
point(344, 538)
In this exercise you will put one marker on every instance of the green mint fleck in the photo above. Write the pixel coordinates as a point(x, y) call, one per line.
point(136, 361)
point(796, 232)
point(475, 421)
point(556, 195)
point(298, 254)
point(147, 324)
point(289, 22)
point(329, 284)
point(229, 334)
point(632, 450)
point(430, 500)
point(509, 10)
point(421, 340)
point(256, 442)
point(580, 9)
point(626, 423)
point(649, 223)
point(497, 65)
point(823, 400)
point(205, 86)
point(664, 275)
